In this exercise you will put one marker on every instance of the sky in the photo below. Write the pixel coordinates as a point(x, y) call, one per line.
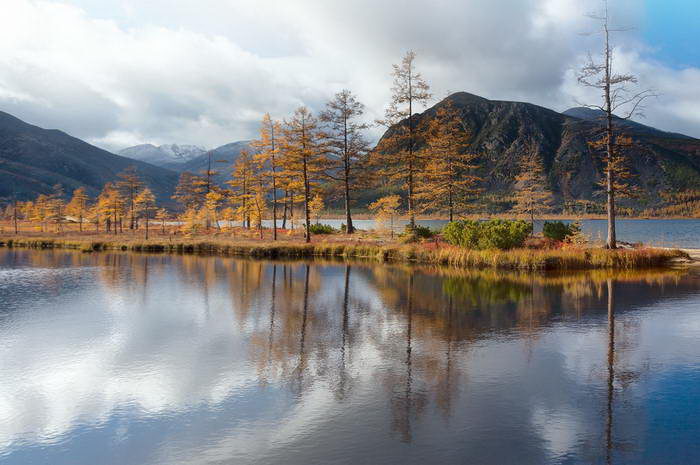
point(118, 73)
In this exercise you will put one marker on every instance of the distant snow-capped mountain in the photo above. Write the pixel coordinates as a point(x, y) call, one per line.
point(169, 155)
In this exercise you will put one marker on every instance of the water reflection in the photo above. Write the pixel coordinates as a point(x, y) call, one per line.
point(125, 358)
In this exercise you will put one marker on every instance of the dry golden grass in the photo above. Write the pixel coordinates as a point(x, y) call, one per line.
point(366, 246)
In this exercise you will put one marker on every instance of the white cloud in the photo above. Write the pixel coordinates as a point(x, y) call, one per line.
point(119, 72)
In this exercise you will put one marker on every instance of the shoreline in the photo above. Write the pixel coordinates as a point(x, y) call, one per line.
point(420, 253)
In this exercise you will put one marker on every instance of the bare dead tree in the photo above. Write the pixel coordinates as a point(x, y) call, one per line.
point(619, 93)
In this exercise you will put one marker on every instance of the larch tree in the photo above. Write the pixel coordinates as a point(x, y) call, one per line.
point(56, 206)
point(268, 158)
point(532, 194)
point(619, 93)
point(259, 191)
point(145, 203)
point(78, 205)
point(316, 207)
point(385, 209)
point(129, 185)
point(212, 203)
point(162, 216)
point(448, 182)
point(241, 186)
point(346, 144)
point(304, 156)
point(40, 210)
point(110, 204)
point(188, 192)
point(205, 183)
point(396, 154)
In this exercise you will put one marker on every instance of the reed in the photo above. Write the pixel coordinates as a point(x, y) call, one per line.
point(518, 259)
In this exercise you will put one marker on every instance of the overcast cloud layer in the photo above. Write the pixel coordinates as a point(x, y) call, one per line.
point(122, 72)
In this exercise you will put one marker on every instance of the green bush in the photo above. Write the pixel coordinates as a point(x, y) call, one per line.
point(492, 234)
point(416, 234)
point(462, 233)
point(421, 232)
point(560, 231)
point(322, 229)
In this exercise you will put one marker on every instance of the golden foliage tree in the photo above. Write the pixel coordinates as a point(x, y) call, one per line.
point(346, 144)
point(449, 182)
point(162, 216)
point(213, 202)
point(386, 209)
point(316, 207)
point(78, 205)
point(110, 206)
point(129, 185)
point(396, 155)
point(145, 204)
point(241, 186)
point(303, 156)
point(56, 207)
point(188, 192)
point(532, 194)
point(268, 158)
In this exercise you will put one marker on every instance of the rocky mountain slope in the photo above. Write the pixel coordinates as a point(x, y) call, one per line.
point(33, 159)
point(222, 159)
point(502, 133)
point(171, 156)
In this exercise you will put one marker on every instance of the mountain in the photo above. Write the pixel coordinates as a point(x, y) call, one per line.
point(222, 159)
point(503, 132)
point(33, 159)
point(170, 156)
point(590, 114)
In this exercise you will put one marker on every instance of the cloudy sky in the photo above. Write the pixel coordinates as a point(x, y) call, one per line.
point(123, 72)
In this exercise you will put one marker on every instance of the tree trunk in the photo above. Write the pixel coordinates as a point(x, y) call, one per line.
point(411, 211)
point(610, 187)
point(14, 217)
point(307, 215)
point(291, 210)
point(451, 204)
point(284, 212)
point(274, 187)
point(610, 178)
point(349, 228)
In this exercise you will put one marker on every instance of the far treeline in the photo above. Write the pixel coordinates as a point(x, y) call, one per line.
point(296, 162)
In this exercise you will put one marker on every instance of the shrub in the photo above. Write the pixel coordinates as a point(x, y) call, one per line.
point(421, 232)
point(493, 234)
point(560, 231)
point(321, 229)
point(462, 233)
point(416, 234)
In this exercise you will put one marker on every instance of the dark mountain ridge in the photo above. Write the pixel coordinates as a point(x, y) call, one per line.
point(33, 160)
point(503, 132)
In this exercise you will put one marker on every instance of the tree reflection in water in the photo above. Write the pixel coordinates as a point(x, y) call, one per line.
point(329, 327)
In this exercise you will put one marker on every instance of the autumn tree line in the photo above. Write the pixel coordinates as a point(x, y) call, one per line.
point(290, 167)
point(294, 160)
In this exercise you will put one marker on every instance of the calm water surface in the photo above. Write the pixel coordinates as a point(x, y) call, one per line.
point(154, 359)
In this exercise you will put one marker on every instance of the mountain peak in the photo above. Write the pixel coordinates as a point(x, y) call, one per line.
point(164, 155)
point(463, 98)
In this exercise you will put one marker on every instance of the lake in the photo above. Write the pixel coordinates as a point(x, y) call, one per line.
point(164, 359)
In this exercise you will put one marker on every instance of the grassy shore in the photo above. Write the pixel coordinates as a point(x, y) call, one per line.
point(341, 247)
